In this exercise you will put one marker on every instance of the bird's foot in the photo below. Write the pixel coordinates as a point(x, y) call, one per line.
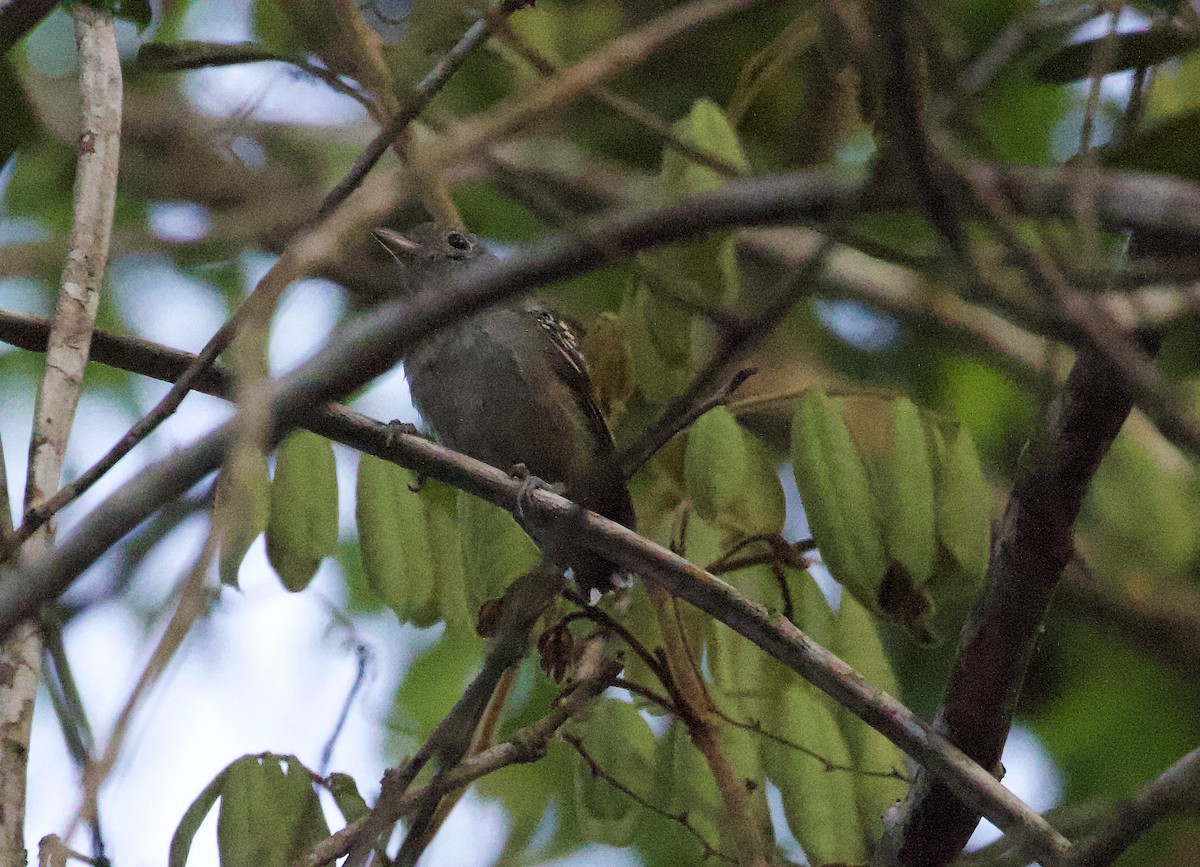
point(529, 484)
point(395, 427)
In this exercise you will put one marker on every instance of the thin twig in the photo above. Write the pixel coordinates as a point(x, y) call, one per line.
point(1151, 389)
point(755, 727)
point(681, 819)
point(427, 88)
point(467, 137)
point(735, 338)
point(524, 602)
point(603, 618)
point(528, 744)
point(624, 106)
point(362, 656)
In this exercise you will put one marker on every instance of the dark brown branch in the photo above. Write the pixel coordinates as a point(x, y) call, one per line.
point(1034, 546)
point(897, 66)
point(19, 17)
point(1174, 791)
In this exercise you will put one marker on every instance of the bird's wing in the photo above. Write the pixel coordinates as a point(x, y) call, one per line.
point(570, 366)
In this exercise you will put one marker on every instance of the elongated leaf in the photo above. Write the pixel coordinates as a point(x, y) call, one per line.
point(833, 487)
point(394, 541)
point(303, 526)
point(820, 805)
point(621, 743)
point(493, 548)
point(270, 814)
point(907, 500)
point(243, 503)
point(193, 818)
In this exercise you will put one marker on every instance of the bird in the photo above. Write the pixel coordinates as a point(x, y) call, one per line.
point(509, 386)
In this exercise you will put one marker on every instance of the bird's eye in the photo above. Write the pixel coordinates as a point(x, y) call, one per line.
point(458, 241)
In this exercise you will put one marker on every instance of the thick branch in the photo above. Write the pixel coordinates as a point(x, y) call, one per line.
point(1028, 558)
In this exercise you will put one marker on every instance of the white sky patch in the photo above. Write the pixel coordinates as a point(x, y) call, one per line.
point(1030, 774)
point(179, 222)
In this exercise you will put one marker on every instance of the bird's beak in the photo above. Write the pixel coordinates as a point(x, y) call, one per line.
point(400, 246)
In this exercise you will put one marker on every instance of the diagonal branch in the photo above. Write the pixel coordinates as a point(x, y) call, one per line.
point(1035, 544)
point(427, 88)
point(527, 745)
point(523, 605)
point(1176, 790)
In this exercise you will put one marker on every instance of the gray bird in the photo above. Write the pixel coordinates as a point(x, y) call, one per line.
point(509, 386)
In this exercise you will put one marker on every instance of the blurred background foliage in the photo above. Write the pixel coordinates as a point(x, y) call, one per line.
point(1113, 698)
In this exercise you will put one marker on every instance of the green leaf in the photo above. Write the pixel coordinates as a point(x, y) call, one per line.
point(820, 804)
point(833, 487)
point(435, 680)
point(907, 500)
point(243, 504)
point(716, 464)
point(964, 505)
point(440, 502)
point(684, 784)
point(706, 127)
point(1132, 50)
point(303, 526)
point(704, 273)
point(346, 796)
point(659, 336)
point(493, 548)
point(813, 614)
point(393, 538)
point(193, 818)
point(858, 644)
point(270, 814)
point(621, 743)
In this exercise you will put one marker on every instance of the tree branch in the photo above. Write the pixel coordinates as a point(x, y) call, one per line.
point(427, 88)
point(94, 198)
point(527, 745)
point(1175, 790)
point(1034, 546)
